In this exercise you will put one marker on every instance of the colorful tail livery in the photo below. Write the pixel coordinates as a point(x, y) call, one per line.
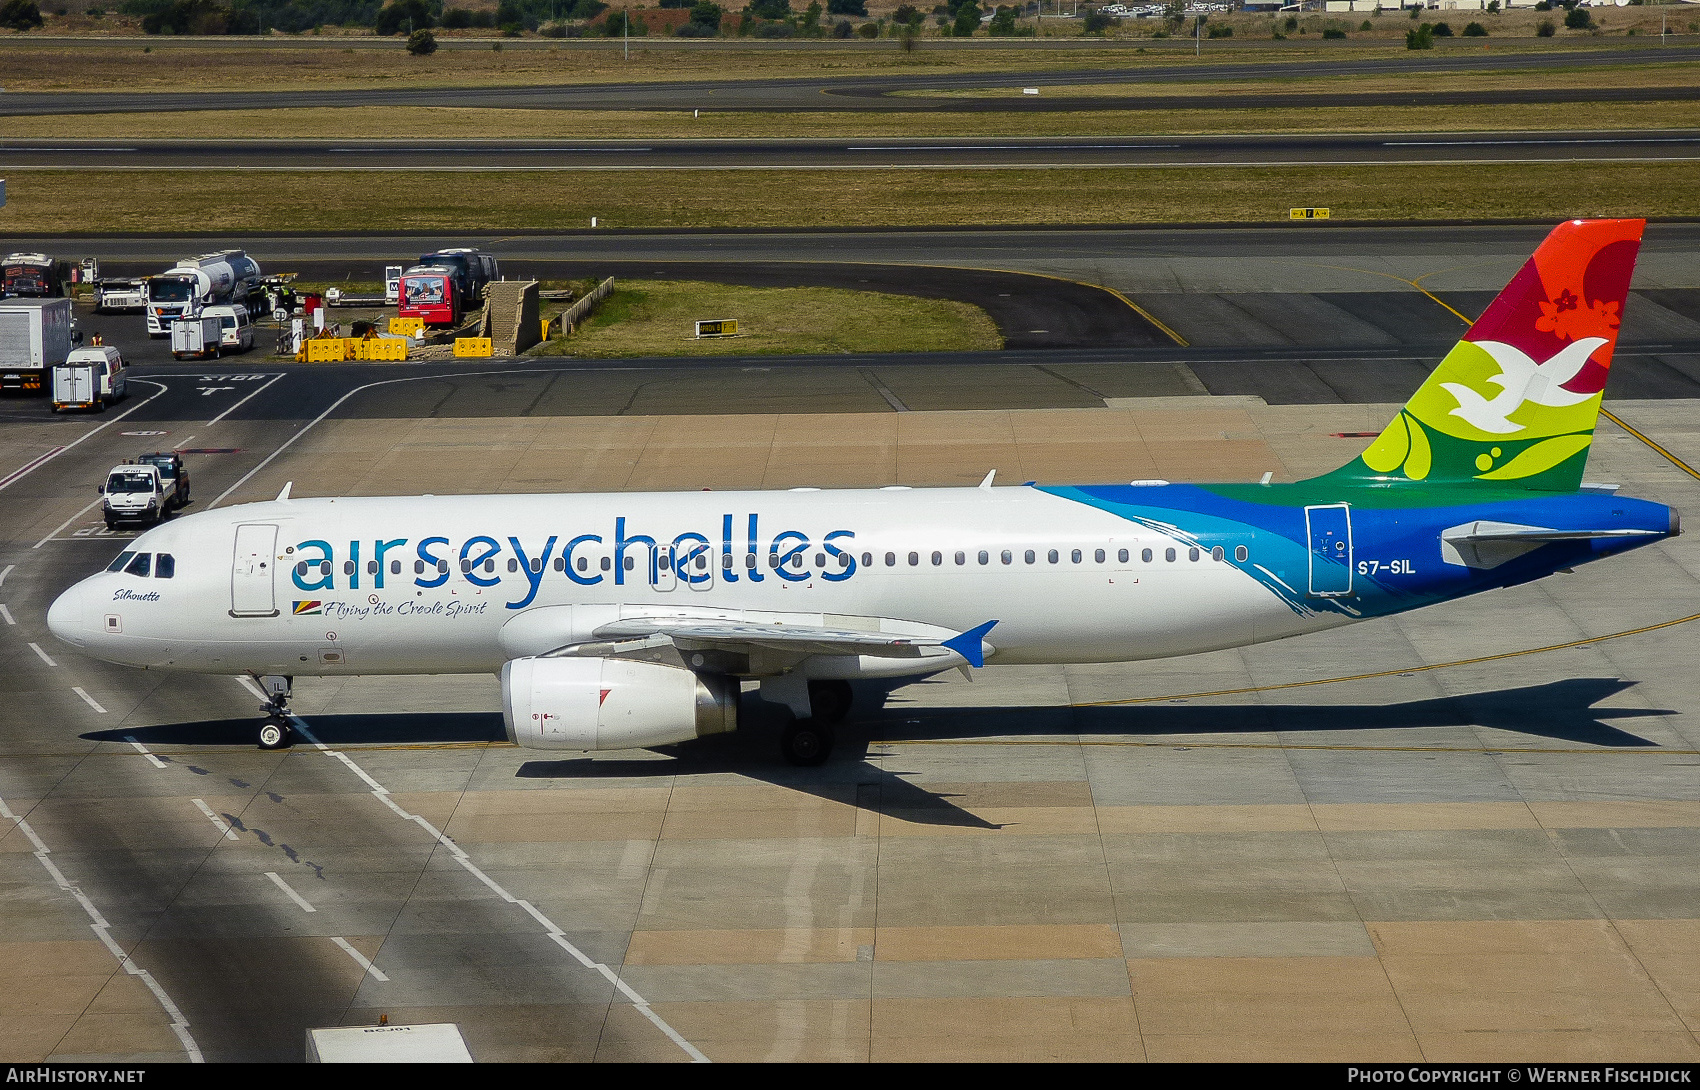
point(1514, 403)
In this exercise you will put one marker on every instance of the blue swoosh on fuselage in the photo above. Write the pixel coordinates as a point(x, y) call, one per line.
point(1279, 552)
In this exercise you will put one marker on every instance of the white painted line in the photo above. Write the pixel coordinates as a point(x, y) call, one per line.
point(365, 963)
point(20, 474)
point(57, 529)
point(143, 750)
point(87, 699)
point(179, 1024)
point(6, 572)
point(229, 833)
point(36, 647)
point(555, 933)
point(236, 406)
point(6, 613)
point(290, 893)
point(248, 683)
point(39, 459)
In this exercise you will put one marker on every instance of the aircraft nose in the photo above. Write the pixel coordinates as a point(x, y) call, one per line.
point(69, 618)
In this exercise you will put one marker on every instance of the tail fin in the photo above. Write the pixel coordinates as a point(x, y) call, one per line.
point(1514, 403)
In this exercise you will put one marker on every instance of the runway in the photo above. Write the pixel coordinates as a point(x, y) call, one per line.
point(1556, 146)
point(879, 92)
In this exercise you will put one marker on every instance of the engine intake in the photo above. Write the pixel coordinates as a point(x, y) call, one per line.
point(598, 703)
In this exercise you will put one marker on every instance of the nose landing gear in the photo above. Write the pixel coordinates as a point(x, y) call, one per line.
point(275, 732)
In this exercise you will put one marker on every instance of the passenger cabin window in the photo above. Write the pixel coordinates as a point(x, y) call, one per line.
point(985, 557)
point(1008, 557)
point(513, 565)
point(371, 567)
point(605, 564)
point(867, 560)
point(348, 567)
point(938, 558)
point(961, 559)
point(914, 559)
point(1240, 553)
point(1121, 556)
point(164, 566)
point(1217, 553)
point(1051, 556)
point(1097, 556)
point(1074, 557)
point(1169, 555)
point(1145, 555)
point(1192, 554)
point(561, 562)
point(1030, 556)
point(395, 567)
point(583, 564)
point(139, 564)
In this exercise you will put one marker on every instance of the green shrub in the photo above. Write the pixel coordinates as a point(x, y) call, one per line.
point(20, 14)
point(1545, 29)
point(1333, 33)
point(1578, 19)
point(1442, 30)
point(1475, 30)
point(1366, 25)
point(1220, 31)
point(422, 43)
point(1420, 38)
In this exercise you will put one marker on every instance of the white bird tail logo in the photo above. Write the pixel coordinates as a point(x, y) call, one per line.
point(1521, 379)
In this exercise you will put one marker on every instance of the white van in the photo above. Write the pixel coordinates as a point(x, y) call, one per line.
point(236, 331)
point(90, 378)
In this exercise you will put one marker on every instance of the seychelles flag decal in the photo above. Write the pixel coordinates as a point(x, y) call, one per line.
point(309, 609)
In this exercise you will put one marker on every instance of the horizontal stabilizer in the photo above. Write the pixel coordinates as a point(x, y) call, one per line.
point(1484, 544)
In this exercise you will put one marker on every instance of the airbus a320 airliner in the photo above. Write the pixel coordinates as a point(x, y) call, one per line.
point(629, 620)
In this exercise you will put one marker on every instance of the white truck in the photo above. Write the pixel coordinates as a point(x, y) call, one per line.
point(117, 296)
point(136, 493)
point(35, 335)
point(228, 276)
point(90, 378)
point(195, 336)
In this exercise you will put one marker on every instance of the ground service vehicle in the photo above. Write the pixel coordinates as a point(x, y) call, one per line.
point(195, 336)
point(35, 334)
point(229, 276)
point(30, 276)
point(236, 332)
point(116, 296)
point(134, 493)
point(90, 378)
point(430, 292)
point(472, 268)
point(172, 472)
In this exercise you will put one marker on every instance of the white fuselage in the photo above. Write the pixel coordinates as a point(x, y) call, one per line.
point(450, 584)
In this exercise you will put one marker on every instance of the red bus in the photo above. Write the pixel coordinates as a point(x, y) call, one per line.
point(428, 292)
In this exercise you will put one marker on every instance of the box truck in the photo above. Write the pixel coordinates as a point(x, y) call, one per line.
point(35, 334)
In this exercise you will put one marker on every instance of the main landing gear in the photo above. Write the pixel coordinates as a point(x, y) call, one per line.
point(275, 732)
point(807, 741)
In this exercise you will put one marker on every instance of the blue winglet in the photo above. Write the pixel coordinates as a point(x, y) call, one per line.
point(968, 644)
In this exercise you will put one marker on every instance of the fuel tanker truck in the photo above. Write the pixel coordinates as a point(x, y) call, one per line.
point(227, 277)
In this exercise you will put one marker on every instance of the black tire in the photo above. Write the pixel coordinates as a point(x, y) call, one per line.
point(806, 743)
point(830, 700)
point(110, 525)
point(273, 734)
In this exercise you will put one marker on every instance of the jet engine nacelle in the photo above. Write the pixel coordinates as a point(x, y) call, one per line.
point(596, 703)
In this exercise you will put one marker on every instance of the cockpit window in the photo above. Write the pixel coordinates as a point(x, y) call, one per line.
point(123, 559)
point(139, 565)
point(130, 482)
point(164, 566)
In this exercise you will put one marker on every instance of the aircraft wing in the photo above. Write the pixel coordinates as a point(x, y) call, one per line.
point(698, 634)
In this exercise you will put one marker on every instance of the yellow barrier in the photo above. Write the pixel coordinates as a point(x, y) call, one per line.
point(386, 348)
point(406, 327)
point(327, 350)
point(474, 346)
point(547, 322)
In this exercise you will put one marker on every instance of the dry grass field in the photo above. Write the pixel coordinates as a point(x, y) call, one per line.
point(657, 318)
point(333, 201)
